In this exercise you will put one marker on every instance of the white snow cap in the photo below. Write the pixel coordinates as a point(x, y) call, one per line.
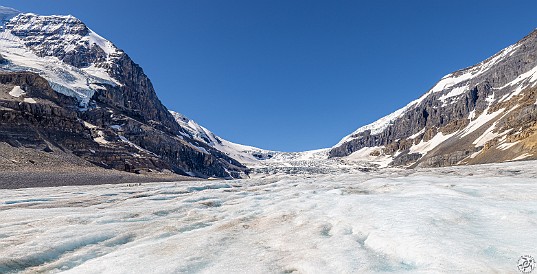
point(64, 78)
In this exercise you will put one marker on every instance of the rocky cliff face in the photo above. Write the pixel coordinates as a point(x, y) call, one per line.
point(86, 96)
point(481, 114)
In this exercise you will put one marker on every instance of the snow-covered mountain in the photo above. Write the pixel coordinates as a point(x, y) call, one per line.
point(82, 95)
point(247, 155)
point(481, 114)
point(73, 58)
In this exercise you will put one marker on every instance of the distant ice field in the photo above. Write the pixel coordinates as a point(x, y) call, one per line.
point(475, 219)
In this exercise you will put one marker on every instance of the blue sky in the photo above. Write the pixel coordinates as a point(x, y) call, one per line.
point(297, 75)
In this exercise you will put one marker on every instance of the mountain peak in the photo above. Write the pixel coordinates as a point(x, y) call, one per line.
point(30, 23)
point(82, 59)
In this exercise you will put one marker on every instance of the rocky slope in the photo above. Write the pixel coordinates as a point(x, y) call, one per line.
point(79, 93)
point(247, 155)
point(481, 114)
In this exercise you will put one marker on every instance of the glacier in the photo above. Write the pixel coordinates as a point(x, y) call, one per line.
point(447, 220)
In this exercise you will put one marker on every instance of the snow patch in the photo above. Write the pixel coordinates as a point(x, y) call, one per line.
point(454, 92)
point(489, 63)
point(451, 80)
point(364, 155)
point(88, 125)
point(413, 136)
point(125, 140)
point(201, 149)
point(17, 91)
point(378, 126)
point(506, 146)
point(471, 115)
point(424, 147)
point(490, 98)
point(486, 136)
point(100, 139)
point(484, 118)
point(523, 156)
point(102, 74)
point(521, 82)
point(473, 155)
point(30, 100)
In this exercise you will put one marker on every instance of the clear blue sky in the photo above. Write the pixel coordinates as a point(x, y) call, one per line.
point(296, 75)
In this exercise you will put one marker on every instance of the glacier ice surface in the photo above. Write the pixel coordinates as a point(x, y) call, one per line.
point(458, 219)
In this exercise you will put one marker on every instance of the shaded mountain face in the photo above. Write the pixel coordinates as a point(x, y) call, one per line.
point(482, 114)
point(102, 103)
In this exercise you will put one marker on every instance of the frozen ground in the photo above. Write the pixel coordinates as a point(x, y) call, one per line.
point(477, 219)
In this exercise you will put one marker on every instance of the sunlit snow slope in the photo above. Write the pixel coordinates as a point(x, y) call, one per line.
point(244, 154)
point(449, 220)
